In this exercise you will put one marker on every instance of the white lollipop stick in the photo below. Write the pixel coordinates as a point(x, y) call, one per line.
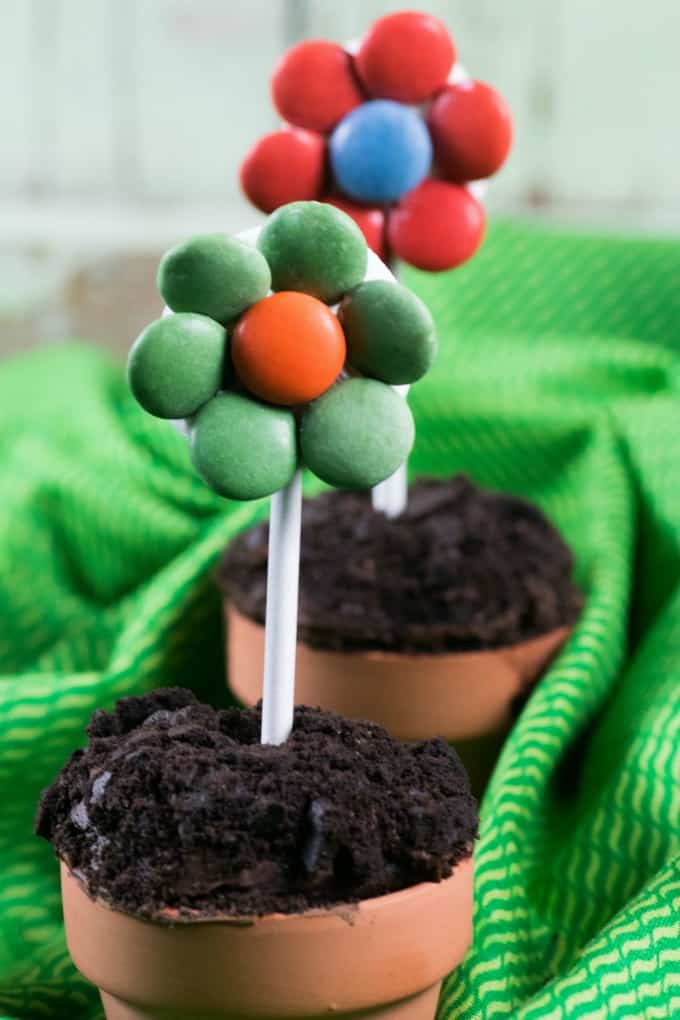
point(283, 573)
point(283, 570)
point(281, 619)
point(391, 496)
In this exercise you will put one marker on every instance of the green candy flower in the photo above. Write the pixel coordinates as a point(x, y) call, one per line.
point(269, 381)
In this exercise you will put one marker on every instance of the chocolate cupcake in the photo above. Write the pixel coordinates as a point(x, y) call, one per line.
point(437, 622)
point(188, 848)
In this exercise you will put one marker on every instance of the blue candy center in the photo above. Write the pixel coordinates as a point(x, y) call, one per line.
point(380, 151)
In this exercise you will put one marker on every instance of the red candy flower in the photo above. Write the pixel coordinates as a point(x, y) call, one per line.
point(404, 59)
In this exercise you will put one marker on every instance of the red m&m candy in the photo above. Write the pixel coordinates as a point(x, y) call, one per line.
point(314, 85)
point(405, 56)
point(436, 226)
point(288, 348)
point(370, 220)
point(471, 128)
point(284, 166)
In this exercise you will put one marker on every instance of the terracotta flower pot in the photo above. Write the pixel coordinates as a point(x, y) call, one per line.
point(466, 697)
point(380, 958)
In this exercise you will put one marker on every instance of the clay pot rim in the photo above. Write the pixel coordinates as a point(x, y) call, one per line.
point(169, 917)
point(385, 655)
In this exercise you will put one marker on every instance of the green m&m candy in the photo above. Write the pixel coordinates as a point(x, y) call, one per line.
point(177, 364)
point(213, 274)
point(389, 331)
point(357, 434)
point(315, 248)
point(244, 449)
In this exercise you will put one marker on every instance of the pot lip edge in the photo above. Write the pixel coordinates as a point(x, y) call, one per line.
point(562, 632)
point(343, 911)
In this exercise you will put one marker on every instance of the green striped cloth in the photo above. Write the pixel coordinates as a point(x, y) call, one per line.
point(558, 380)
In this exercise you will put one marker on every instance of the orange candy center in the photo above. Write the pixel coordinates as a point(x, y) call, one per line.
point(288, 348)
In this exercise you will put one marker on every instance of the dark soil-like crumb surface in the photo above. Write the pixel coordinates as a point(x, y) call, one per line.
point(463, 568)
point(174, 805)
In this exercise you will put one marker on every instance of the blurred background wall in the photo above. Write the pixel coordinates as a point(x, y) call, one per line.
point(124, 122)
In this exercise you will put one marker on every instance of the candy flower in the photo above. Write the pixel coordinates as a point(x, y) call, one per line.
point(392, 133)
point(283, 350)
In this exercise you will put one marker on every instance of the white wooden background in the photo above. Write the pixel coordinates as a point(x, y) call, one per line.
point(123, 121)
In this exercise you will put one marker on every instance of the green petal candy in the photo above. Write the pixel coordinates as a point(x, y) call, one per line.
point(390, 332)
point(214, 275)
point(314, 248)
point(243, 449)
point(357, 434)
point(177, 364)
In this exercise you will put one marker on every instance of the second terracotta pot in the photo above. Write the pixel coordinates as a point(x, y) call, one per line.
point(467, 697)
point(382, 958)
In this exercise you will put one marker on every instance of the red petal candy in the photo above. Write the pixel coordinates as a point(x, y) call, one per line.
point(436, 226)
point(405, 56)
point(314, 85)
point(370, 220)
point(471, 128)
point(284, 166)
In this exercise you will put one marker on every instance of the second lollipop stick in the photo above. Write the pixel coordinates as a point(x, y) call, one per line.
point(391, 496)
point(283, 572)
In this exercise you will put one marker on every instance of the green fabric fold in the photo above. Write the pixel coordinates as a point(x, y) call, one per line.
point(557, 380)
